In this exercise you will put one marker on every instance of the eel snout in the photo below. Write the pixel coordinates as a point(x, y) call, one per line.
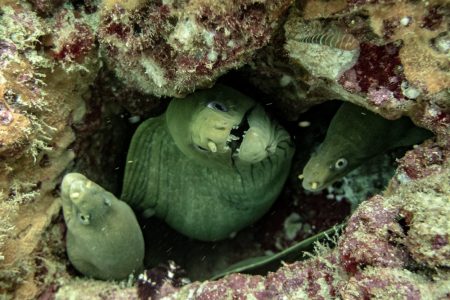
point(74, 186)
point(312, 185)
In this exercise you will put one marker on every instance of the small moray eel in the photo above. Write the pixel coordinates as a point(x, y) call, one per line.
point(354, 136)
point(104, 240)
point(211, 165)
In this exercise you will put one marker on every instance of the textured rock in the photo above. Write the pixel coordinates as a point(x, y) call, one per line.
point(48, 116)
point(401, 67)
point(387, 283)
point(39, 99)
point(367, 239)
point(175, 47)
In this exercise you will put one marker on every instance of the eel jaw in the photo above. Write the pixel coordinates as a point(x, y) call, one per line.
point(312, 186)
point(237, 133)
point(316, 185)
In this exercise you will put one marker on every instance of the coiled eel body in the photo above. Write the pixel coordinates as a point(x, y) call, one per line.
point(211, 165)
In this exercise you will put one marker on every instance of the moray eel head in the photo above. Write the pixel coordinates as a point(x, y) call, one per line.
point(222, 126)
point(82, 209)
point(322, 170)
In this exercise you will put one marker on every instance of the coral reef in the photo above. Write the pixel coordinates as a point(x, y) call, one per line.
point(389, 283)
point(323, 50)
point(73, 38)
point(39, 100)
point(176, 47)
point(400, 68)
point(59, 109)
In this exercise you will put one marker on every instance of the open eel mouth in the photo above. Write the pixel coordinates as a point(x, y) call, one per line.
point(237, 133)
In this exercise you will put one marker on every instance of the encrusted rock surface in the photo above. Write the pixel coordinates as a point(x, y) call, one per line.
point(174, 47)
point(39, 100)
point(56, 106)
point(398, 68)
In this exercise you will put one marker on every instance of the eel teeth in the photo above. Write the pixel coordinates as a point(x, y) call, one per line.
point(232, 137)
point(238, 132)
point(212, 146)
point(236, 152)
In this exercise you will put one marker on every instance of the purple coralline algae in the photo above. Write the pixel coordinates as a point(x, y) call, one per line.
point(53, 107)
point(175, 48)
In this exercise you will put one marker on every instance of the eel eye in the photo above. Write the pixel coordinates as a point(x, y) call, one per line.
point(200, 148)
point(340, 163)
point(84, 218)
point(217, 106)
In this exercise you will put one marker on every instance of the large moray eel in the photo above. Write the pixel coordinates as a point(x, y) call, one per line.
point(211, 165)
point(354, 136)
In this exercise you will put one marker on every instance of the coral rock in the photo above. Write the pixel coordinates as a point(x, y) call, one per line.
point(367, 239)
point(176, 48)
point(386, 283)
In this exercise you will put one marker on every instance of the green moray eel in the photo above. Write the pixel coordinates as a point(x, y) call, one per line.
point(211, 165)
point(103, 239)
point(354, 136)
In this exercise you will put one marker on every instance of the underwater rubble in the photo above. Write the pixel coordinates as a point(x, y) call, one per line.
point(77, 76)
